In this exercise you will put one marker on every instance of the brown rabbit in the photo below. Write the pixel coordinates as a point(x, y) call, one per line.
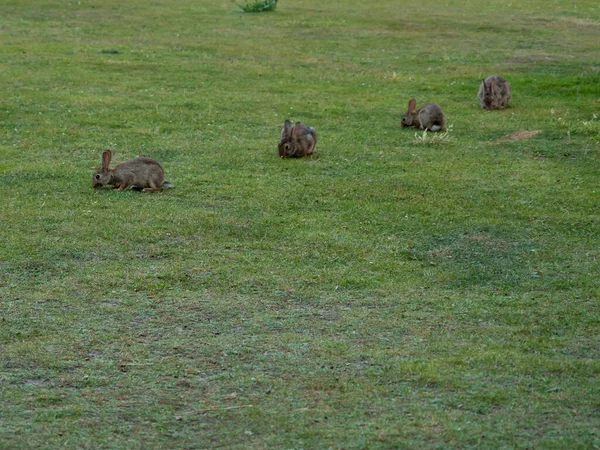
point(297, 140)
point(140, 172)
point(428, 117)
point(494, 92)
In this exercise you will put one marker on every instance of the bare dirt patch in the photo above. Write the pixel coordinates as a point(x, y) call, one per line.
point(581, 22)
point(518, 136)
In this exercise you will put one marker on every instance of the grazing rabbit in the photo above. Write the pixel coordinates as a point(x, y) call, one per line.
point(140, 173)
point(494, 93)
point(428, 117)
point(297, 140)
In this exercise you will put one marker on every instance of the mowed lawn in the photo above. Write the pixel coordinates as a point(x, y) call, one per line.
point(395, 290)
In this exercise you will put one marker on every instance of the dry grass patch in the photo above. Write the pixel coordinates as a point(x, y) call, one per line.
point(518, 136)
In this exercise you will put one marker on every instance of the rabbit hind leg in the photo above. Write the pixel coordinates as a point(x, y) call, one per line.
point(153, 187)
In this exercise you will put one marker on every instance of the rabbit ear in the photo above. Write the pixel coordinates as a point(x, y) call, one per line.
point(296, 128)
point(106, 157)
point(489, 85)
point(287, 129)
point(412, 105)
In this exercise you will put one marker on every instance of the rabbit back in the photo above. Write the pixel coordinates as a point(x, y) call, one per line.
point(431, 117)
point(142, 172)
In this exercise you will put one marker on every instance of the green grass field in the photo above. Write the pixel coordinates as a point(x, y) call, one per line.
point(393, 291)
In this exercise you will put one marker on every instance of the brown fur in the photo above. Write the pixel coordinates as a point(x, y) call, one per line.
point(494, 93)
point(297, 140)
point(428, 117)
point(140, 172)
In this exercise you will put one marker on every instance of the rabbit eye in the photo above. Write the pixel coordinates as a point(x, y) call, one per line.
point(286, 146)
point(97, 176)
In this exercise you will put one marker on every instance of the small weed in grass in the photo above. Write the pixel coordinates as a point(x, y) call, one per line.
point(429, 138)
point(589, 128)
point(259, 6)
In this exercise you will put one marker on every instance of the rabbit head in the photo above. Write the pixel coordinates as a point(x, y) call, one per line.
point(411, 118)
point(103, 176)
